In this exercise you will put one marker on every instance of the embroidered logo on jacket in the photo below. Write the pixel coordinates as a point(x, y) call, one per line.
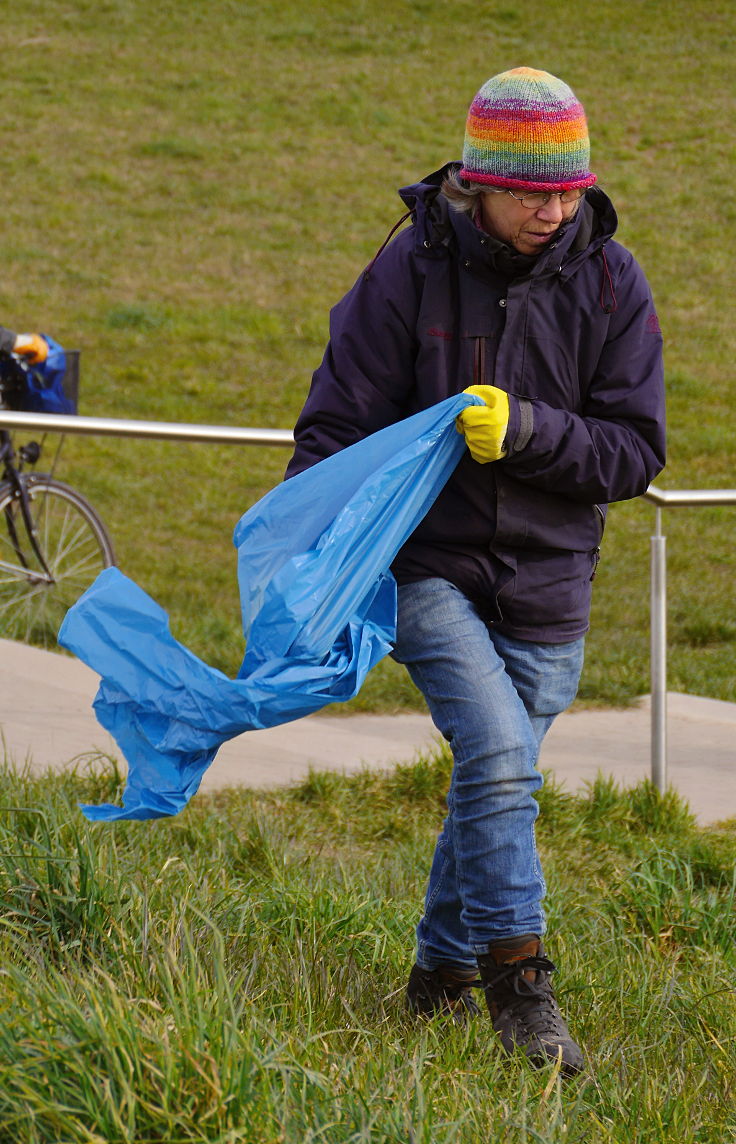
point(653, 326)
point(434, 332)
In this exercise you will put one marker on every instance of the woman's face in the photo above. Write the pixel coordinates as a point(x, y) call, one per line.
point(527, 229)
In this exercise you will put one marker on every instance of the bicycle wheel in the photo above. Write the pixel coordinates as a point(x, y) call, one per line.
point(75, 548)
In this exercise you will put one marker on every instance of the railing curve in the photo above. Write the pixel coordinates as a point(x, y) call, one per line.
point(666, 498)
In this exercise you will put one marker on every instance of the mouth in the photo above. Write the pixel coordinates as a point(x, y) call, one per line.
point(539, 238)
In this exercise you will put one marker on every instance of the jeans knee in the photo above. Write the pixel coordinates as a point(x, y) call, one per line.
point(497, 754)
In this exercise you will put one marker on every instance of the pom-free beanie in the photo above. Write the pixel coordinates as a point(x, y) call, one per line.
point(526, 129)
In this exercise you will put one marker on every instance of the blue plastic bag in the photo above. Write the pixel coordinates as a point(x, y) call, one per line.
point(40, 388)
point(318, 605)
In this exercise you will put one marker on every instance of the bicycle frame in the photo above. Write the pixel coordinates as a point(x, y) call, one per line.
point(13, 476)
point(52, 542)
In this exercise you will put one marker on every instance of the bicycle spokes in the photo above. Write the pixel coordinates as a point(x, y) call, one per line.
point(49, 555)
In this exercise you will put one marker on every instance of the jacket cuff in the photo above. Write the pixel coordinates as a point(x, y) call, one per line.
point(520, 426)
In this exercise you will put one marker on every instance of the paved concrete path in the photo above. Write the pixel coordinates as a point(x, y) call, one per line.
point(46, 720)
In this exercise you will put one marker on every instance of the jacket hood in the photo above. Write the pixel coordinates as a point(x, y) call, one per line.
point(437, 227)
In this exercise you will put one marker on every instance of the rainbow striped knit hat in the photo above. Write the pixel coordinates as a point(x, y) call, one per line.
point(526, 129)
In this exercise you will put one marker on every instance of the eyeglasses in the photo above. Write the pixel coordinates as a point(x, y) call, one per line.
point(537, 199)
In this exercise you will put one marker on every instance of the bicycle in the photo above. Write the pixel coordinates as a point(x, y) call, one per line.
point(52, 542)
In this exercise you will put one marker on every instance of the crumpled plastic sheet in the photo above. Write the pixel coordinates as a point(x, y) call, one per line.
point(318, 605)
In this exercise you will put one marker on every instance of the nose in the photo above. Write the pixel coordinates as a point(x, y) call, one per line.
point(552, 211)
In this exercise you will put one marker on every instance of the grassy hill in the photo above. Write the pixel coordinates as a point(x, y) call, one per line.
point(188, 187)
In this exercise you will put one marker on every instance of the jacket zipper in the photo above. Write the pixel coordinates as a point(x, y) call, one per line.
point(597, 551)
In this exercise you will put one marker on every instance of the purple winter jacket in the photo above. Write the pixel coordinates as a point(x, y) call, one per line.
point(572, 335)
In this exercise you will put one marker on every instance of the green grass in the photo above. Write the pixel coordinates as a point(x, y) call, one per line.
point(189, 187)
point(237, 973)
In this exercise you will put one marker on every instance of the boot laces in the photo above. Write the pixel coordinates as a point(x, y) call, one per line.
point(438, 990)
point(533, 1001)
point(459, 992)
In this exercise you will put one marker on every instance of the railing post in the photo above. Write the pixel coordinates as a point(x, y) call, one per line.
point(658, 655)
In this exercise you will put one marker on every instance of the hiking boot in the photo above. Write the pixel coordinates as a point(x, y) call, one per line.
point(447, 989)
point(515, 975)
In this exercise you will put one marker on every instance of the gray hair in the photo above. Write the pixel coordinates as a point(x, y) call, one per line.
point(462, 195)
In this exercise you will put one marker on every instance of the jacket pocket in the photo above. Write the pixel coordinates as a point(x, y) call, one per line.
point(528, 517)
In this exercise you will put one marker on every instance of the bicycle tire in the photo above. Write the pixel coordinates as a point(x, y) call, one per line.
point(75, 547)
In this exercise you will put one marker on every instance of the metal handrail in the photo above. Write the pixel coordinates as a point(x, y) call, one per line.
point(232, 435)
point(663, 498)
point(670, 498)
point(163, 430)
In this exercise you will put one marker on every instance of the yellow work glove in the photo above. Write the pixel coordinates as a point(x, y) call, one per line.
point(484, 426)
point(32, 347)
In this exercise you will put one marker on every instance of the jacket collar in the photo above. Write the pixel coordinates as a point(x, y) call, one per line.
point(437, 226)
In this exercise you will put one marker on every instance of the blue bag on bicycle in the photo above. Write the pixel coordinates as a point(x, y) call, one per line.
point(318, 605)
point(40, 388)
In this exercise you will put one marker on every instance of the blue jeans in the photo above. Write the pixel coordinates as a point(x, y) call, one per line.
point(493, 698)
